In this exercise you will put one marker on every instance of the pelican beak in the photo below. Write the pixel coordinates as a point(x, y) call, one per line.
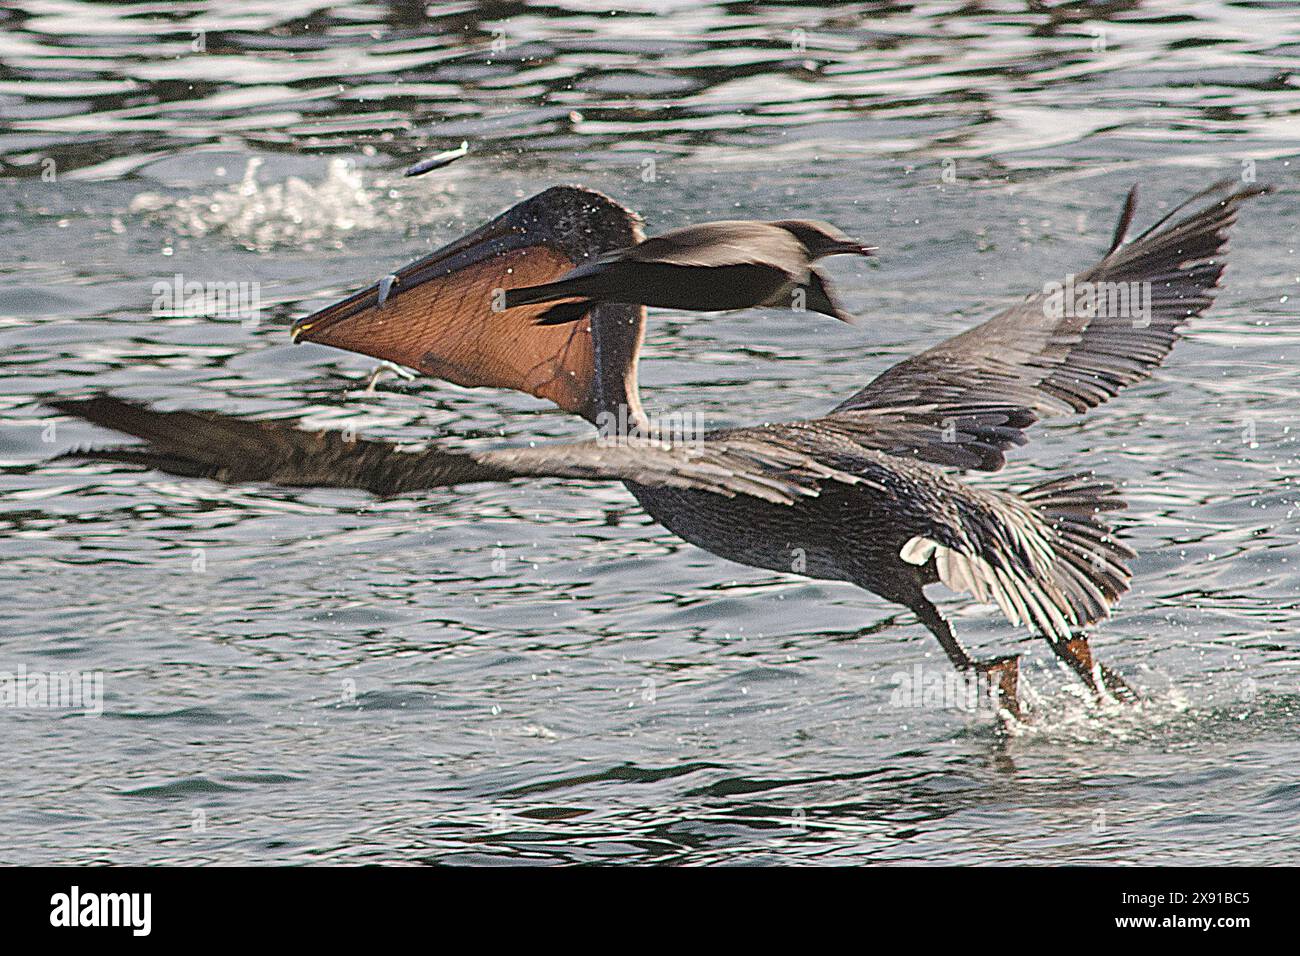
point(493, 239)
point(440, 315)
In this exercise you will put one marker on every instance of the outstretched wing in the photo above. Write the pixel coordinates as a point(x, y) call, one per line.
point(969, 398)
point(237, 450)
point(437, 314)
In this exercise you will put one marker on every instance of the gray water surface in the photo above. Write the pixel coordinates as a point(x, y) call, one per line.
point(537, 672)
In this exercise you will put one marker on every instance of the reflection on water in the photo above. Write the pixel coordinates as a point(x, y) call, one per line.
point(537, 672)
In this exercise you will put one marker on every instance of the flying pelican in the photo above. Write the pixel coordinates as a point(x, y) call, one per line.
point(866, 493)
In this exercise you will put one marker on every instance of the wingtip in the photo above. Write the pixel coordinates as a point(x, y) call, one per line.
point(1125, 219)
point(81, 407)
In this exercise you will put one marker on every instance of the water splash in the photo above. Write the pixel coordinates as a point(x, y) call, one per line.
point(261, 216)
point(1168, 713)
point(1071, 713)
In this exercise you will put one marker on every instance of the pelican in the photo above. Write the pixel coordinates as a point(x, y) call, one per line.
point(870, 493)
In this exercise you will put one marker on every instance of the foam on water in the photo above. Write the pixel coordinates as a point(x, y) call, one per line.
point(1170, 711)
point(1071, 713)
point(263, 216)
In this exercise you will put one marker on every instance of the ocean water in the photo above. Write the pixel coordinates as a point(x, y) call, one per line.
point(536, 672)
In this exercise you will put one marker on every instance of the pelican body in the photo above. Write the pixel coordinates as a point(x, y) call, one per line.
point(869, 493)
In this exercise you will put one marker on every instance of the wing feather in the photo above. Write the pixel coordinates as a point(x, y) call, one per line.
point(233, 450)
point(968, 399)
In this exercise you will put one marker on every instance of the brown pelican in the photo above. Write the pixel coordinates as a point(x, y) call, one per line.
point(710, 267)
point(865, 493)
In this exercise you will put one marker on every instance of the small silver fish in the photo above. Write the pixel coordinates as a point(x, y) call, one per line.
point(437, 162)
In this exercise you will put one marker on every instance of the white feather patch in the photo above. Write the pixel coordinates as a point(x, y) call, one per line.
point(1024, 601)
point(918, 550)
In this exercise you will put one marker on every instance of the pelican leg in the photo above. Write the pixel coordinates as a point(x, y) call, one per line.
point(1002, 677)
point(1101, 680)
point(999, 676)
